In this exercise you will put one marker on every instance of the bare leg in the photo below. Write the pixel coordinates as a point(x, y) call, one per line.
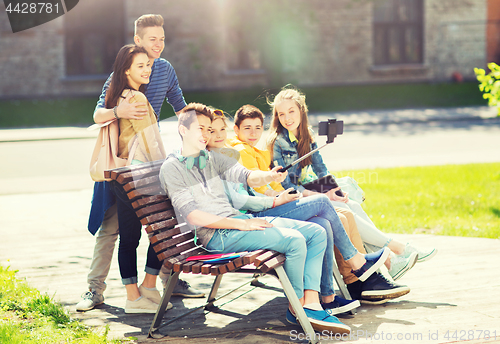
point(310, 297)
point(149, 281)
point(132, 291)
point(396, 246)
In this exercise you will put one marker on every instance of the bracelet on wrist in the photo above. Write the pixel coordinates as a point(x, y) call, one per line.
point(274, 202)
point(114, 112)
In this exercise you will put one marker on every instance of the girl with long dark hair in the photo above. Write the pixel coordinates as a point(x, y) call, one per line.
point(139, 141)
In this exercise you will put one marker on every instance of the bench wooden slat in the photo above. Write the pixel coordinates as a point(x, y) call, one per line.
point(179, 258)
point(206, 269)
point(171, 244)
point(177, 267)
point(138, 172)
point(172, 251)
point(222, 269)
point(272, 263)
point(214, 270)
point(186, 267)
point(135, 184)
point(265, 256)
point(196, 268)
point(114, 173)
point(144, 192)
point(250, 257)
point(165, 215)
point(164, 235)
point(235, 264)
point(163, 225)
point(154, 208)
point(142, 202)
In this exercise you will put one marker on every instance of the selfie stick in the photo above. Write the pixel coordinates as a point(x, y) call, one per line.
point(332, 128)
point(302, 158)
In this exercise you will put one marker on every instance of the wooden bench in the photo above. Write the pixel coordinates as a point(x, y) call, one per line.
point(174, 243)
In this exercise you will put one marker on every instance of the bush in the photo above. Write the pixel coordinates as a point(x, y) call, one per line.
point(489, 84)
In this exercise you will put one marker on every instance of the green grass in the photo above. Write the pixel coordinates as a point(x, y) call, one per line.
point(27, 316)
point(78, 111)
point(46, 113)
point(459, 200)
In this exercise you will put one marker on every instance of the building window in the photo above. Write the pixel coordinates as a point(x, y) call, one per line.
point(92, 40)
point(398, 32)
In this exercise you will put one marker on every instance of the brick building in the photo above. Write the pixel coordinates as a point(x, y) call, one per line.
point(227, 44)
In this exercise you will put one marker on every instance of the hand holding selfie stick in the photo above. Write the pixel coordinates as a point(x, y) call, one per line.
point(331, 129)
point(302, 158)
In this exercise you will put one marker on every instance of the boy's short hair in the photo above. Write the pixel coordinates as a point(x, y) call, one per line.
point(247, 111)
point(189, 114)
point(145, 21)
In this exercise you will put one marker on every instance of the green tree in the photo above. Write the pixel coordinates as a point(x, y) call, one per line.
point(489, 84)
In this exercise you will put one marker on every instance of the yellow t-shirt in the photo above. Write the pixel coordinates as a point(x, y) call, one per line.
point(254, 159)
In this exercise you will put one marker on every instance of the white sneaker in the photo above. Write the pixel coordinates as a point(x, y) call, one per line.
point(141, 305)
point(423, 254)
point(401, 264)
point(153, 295)
point(90, 300)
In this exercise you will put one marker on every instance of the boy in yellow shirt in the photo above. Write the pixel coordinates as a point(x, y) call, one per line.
point(249, 126)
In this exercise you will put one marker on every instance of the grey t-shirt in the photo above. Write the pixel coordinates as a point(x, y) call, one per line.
point(202, 189)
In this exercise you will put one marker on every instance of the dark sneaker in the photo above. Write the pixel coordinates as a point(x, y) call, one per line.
point(89, 300)
point(378, 287)
point(376, 290)
point(291, 318)
point(373, 302)
point(321, 321)
point(373, 262)
point(355, 290)
point(183, 289)
point(340, 305)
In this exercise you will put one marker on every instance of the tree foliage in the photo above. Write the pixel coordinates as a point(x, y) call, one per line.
point(489, 84)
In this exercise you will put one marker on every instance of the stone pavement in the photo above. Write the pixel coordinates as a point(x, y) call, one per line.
point(43, 222)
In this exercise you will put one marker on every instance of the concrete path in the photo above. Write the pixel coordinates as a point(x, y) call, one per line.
point(45, 198)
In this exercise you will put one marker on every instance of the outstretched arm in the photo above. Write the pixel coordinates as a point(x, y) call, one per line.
point(259, 178)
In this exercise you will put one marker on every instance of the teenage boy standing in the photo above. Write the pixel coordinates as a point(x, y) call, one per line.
point(103, 222)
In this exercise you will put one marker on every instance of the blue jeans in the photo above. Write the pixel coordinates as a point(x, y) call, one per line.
point(129, 229)
point(319, 209)
point(302, 243)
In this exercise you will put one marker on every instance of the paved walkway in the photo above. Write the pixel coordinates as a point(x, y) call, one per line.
point(454, 297)
point(349, 118)
point(455, 291)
